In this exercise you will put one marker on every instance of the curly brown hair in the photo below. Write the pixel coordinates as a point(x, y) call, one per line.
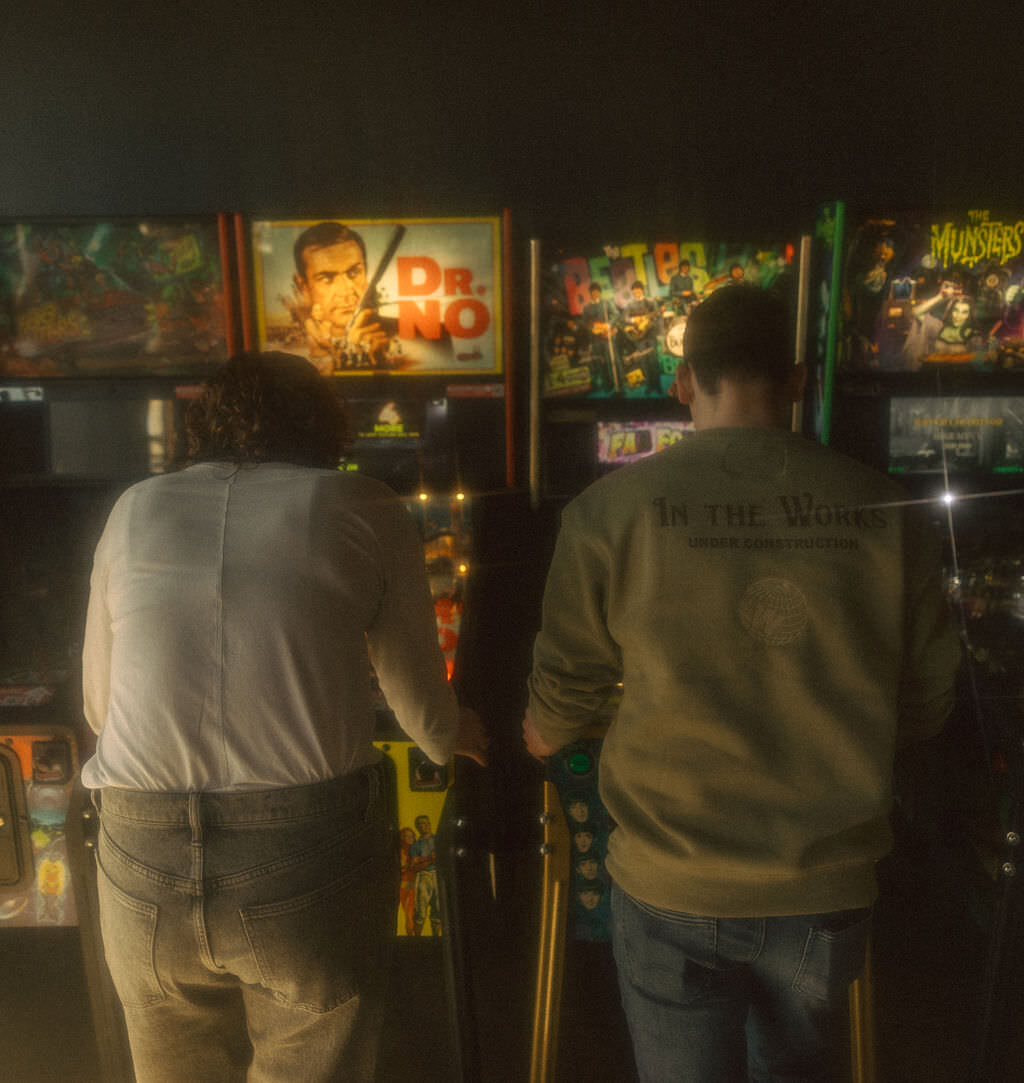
point(266, 407)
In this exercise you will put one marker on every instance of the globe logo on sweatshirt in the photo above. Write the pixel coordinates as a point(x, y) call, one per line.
point(774, 611)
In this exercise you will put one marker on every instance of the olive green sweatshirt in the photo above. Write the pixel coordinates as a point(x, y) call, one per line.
point(775, 612)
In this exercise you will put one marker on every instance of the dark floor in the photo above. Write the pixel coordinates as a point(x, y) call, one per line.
point(45, 1024)
point(929, 957)
point(928, 960)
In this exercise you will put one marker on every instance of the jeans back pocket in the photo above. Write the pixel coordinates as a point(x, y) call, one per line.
point(316, 950)
point(833, 956)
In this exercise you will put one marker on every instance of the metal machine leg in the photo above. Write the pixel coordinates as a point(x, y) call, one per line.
point(553, 919)
point(862, 1026)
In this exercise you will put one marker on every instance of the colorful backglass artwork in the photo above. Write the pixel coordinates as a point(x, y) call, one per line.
point(935, 291)
point(405, 296)
point(613, 319)
point(83, 298)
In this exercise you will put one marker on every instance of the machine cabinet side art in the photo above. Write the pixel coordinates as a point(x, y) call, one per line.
point(38, 766)
point(357, 297)
point(421, 787)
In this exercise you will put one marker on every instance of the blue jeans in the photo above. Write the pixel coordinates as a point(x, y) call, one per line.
point(247, 933)
point(723, 1000)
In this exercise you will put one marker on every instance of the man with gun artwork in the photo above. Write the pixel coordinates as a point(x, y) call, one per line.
point(343, 326)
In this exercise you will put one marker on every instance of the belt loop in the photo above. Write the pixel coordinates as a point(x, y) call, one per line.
point(195, 821)
point(96, 797)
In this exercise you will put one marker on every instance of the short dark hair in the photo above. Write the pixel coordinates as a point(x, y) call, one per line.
point(323, 235)
point(266, 407)
point(740, 333)
point(595, 286)
point(684, 263)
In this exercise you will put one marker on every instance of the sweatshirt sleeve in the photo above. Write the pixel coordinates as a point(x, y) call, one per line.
point(932, 650)
point(402, 639)
point(576, 662)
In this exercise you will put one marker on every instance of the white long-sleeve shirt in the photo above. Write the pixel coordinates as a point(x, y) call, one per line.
point(230, 616)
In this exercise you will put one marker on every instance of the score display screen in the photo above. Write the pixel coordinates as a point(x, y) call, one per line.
point(397, 422)
point(405, 442)
point(956, 434)
point(622, 442)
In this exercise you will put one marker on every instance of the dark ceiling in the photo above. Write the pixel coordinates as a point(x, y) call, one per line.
point(583, 119)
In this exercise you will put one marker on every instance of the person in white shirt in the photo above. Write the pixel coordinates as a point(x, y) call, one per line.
point(247, 870)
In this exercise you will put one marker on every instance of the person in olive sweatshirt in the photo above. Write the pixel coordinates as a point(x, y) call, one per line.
point(775, 612)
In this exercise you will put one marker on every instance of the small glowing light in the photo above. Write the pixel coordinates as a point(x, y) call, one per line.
point(948, 498)
point(463, 568)
point(424, 497)
point(579, 763)
point(460, 496)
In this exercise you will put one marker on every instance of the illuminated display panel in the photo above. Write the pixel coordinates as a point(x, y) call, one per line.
point(622, 442)
point(956, 434)
point(360, 297)
point(402, 441)
point(385, 421)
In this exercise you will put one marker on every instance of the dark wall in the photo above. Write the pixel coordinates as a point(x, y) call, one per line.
point(582, 118)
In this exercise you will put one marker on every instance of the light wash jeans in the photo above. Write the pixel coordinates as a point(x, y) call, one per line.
point(724, 1000)
point(247, 934)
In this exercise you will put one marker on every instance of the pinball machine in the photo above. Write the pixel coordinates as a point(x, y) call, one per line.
point(106, 325)
point(607, 335)
point(407, 319)
point(921, 375)
point(106, 331)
